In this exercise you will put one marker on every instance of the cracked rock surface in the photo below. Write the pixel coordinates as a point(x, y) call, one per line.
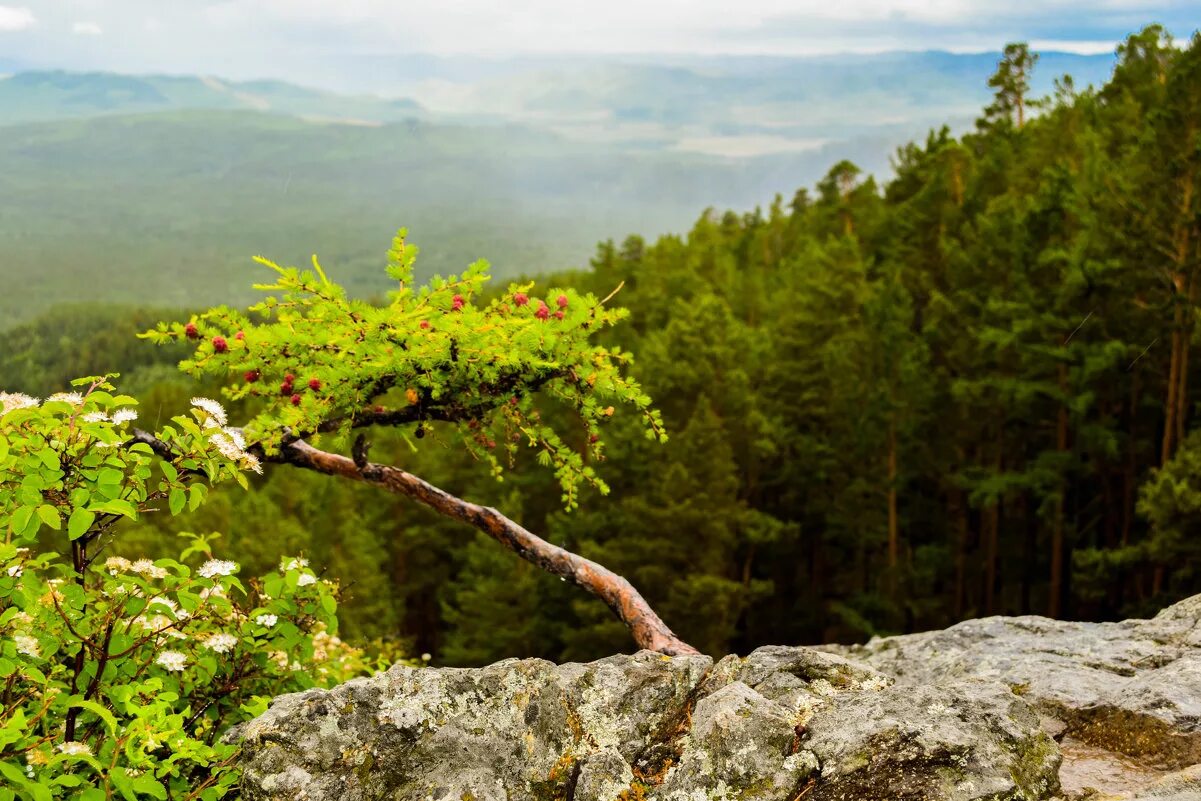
point(1132, 687)
point(780, 724)
point(1124, 698)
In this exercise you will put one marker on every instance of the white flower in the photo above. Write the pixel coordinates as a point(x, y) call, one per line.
point(176, 612)
point(172, 660)
point(230, 443)
point(27, 645)
point(148, 569)
point(216, 411)
point(212, 592)
point(117, 564)
point(279, 657)
point(217, 567)
point(74, 749)
point(15, 571)
point(221, 643)
point(293, 564)
point(297, 666)
point(306, 579)
point(266, 621)
point(426, 657)
point(73, 398)
point(15, 400)
point(95, 417)
point(122, 416)
point(226, 445)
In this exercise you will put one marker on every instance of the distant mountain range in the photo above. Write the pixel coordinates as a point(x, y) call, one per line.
point(732, 106)
point(158, 189)
point(44, 96)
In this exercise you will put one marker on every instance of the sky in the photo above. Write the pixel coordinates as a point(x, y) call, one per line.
point(303, 39)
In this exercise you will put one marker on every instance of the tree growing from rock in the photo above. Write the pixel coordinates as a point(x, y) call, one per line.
point(441, 364)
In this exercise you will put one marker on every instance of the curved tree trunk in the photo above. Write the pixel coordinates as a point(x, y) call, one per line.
point(647, 629)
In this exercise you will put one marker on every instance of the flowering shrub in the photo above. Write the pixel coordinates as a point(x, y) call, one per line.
point(118, 677)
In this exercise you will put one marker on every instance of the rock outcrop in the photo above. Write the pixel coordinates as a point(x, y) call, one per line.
point(1131, 688)
point(970, 713)
point(781, 724)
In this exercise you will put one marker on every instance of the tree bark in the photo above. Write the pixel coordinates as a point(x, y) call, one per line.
point(992, 530)
point(647, 629)
point(957, 511)
point(1055, 591)
point(894, 534)
point(1169, 425)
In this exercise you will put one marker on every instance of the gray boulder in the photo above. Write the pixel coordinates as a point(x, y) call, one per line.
point(781, 724)
point(1132, 687)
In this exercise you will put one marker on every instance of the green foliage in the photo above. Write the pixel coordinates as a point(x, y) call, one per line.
point(985, 340)
point(117, 676)
point(321, 361)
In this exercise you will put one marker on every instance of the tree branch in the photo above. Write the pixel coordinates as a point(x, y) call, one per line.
point(646, 627)
point(648, 630)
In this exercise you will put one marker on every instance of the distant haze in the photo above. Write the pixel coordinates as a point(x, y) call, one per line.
point(350, 45)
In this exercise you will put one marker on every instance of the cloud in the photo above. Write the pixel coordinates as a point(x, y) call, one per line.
point(356, 43)
point(16, 19)
point(87, 29)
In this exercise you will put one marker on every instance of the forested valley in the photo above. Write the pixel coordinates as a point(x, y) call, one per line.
point(892, 404)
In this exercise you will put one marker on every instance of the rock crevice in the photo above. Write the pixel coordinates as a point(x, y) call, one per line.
point(966, 714)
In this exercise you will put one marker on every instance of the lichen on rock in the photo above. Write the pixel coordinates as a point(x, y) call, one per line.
point(779, 724)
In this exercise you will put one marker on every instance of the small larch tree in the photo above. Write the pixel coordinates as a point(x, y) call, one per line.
point(435, 362)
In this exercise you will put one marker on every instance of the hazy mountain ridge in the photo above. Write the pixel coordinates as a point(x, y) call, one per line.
point(170, 207)
point(46, 96)
point(707, 104)
point(170, 184)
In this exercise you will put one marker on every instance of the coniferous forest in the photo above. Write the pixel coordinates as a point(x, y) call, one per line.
point(966, 389)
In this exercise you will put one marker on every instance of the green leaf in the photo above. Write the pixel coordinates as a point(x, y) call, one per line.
point(20, 518)
point(17, 777)
point(109, 719)
point(195, 497)
point(50, 516)
point(117, 506)
point(81, 520)
point(177, 499)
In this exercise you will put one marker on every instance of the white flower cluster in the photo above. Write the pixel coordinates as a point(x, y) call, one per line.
point(228, 441)
point(72, 398)
point(216, 567)
point(150, 570)
point(119, 417)
point(306, 579)
point(15, 400)
point(221, 643)
point(266, 621)
point(324, 643)
point(161, 624)
point(74, 748)
point(216, 412)
point(27, 645)
point(293, 564)
point(172, 661)
point(117, 564)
